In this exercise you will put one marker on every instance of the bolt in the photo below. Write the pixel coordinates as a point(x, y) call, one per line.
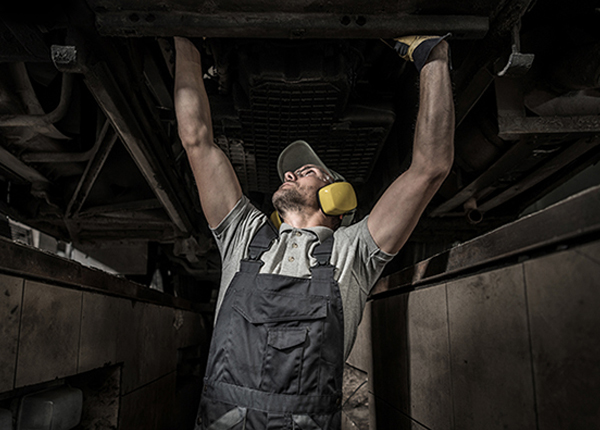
point(361, 20)
point(134, 17)
point(299, 32)
point(345, 20)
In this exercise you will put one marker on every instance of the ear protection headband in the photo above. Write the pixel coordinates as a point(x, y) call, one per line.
point(335, 199)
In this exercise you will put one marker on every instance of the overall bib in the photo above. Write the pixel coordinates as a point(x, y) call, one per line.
point(276, 356)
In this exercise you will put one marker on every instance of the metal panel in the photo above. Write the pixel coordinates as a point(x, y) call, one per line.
point(390, 376)
point(148, 347)
point(562, 293)
point(129, 344)
point(429, 358)
point(148, 408)
point(11, 291)
point(100, 325)
point(492, 386)
point(49, 337)
point(390, 418)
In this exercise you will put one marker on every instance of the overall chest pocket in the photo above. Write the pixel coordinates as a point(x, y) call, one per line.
point(288, 331)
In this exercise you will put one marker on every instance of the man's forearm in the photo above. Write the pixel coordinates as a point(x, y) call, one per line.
point(433, 150)
point(191, 101)
point(397, 212)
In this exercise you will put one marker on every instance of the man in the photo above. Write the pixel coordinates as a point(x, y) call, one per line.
point(290, 301)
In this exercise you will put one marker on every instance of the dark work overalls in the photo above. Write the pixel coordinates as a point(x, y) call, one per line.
point(276, 356)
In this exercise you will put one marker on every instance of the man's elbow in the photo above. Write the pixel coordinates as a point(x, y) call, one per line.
point(194, 136)
point(437, 170)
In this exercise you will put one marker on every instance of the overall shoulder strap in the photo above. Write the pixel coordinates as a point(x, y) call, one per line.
point(261, 241)
point(322, 251)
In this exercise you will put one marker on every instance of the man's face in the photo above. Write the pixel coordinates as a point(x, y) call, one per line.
point(299, 191)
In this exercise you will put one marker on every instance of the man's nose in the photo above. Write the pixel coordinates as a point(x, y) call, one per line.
point(290, 176)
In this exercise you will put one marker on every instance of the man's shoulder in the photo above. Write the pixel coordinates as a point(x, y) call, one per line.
point(351, 232)
point(239, 225)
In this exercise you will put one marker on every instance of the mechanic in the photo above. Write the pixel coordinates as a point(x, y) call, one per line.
point(290, 300)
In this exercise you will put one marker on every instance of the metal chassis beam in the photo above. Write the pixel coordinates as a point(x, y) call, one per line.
point(529, 133)
point(571, 219)
point(101, 150)
point(136, 23)
point(560, 161)
point(117, 107)
point(515, 126)
point(13, 164)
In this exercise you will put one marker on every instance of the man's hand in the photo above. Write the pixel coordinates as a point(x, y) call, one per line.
point(397, 212)
point(217, 183)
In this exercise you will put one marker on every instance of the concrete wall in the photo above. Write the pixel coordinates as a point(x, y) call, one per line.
point(516, 347)
point(51, 332)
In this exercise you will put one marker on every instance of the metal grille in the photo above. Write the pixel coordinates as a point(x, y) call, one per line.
point(281, 113)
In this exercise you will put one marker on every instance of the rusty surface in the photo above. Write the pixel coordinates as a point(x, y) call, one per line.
point(136, 23)
point(575, 217)
point(512, 128)
point(31, 263)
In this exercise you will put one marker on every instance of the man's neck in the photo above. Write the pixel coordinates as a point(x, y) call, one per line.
point(307, 220)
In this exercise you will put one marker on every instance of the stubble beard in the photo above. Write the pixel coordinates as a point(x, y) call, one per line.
point(289, 199)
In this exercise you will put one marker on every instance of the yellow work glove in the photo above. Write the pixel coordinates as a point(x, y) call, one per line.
point(416, 48)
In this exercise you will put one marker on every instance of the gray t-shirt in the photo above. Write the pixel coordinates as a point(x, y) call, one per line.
point(355, 255)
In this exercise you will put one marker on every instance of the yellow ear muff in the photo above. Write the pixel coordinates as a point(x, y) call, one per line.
point(276, 219)
point(337, 198)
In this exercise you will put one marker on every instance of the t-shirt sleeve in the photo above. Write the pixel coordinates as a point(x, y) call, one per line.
point(232, 235)
point(360, 255)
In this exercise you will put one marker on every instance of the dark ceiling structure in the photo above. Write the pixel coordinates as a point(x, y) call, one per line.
point(89, 151)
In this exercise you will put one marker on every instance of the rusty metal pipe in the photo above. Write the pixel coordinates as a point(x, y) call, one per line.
point(45, 119)
point(473, 214)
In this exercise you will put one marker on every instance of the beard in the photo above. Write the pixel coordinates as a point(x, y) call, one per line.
point(289, 199)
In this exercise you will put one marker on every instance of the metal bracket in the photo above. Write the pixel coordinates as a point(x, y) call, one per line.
point(518, 63)
point(65, 58)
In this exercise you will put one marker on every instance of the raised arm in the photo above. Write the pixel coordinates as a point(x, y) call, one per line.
point(217, 183)
point(397, 212)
